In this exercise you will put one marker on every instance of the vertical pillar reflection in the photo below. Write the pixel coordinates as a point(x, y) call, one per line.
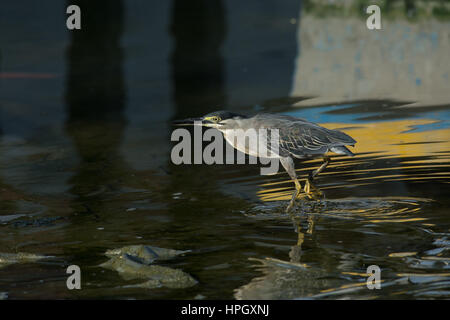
point(95, 97)
point(198, 29)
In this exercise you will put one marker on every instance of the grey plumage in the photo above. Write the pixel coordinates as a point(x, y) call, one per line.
point(300, 138)
point(297, 138)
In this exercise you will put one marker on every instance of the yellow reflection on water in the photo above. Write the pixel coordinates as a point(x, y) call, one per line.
point(411, 151)
point(395, 138)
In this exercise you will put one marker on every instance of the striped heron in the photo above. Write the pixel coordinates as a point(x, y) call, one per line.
point(297, 139)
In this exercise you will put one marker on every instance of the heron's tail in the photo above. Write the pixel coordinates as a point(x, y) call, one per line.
point(342, 150)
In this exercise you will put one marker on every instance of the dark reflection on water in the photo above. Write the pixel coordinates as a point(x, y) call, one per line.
point(95, 103)
point(72, 183)
point(198, 29)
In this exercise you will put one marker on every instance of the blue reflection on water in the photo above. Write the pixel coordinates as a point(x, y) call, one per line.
point(322, 115)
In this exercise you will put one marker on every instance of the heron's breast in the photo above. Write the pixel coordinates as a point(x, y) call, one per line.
point(248, 143)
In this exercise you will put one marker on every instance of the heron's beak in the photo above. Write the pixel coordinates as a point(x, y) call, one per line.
point(192, 122)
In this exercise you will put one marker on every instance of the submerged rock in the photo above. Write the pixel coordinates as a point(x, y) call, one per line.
point(153, 284)
point(146, 254)
point(21, 257)
point(133, 262)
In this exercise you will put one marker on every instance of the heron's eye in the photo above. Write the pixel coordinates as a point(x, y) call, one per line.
point(215, 119)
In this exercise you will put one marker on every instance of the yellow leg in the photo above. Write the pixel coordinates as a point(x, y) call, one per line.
point(297, 194)
point(311, 190)
point(298, 186)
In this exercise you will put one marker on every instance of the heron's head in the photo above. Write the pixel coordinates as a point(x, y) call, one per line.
point(217, 119)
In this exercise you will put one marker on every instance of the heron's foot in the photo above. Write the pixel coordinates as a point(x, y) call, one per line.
point(296, 195)
point(311, 191)
point(299, 192)
point(302, 196)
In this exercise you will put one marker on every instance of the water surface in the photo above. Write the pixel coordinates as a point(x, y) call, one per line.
point(85, 150)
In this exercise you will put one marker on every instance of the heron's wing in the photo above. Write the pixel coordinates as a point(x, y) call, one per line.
point(302, 138)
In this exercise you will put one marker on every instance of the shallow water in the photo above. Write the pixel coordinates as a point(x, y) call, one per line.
point(387, 206)
point(85, 156)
